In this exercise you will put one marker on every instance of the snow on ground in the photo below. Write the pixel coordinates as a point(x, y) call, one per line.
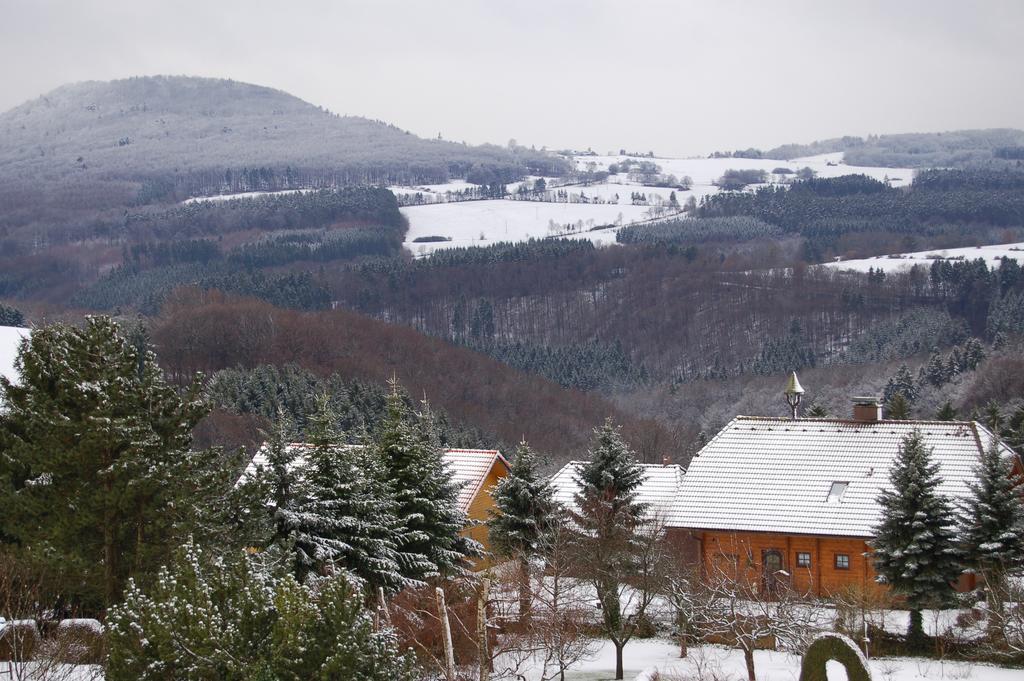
point(609, 190)
point(991, 254)
point(436, 189)
point(704, 171)
point(483, 223)
point(244, 195)
point(501, 220)
point(643, 656)
point(10, 339)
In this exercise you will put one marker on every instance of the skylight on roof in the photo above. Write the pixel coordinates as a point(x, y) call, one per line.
point(835, 494)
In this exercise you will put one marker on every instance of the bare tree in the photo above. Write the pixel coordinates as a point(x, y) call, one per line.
point(627, 575)
point(65, 653)
point(1001, 631)
point(559, 632)
point(728, 605)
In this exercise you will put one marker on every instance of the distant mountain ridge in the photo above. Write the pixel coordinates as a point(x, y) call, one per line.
point(177, 125)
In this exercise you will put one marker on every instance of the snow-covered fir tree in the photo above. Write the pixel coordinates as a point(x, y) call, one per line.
point(902, 383)
point(427, 499)
point(524, 508)
point(282, 477)
point(609, 519)
point(10, 316)
point(345, 514)
point(915, 544)
point(96, 462)
point(992, 528)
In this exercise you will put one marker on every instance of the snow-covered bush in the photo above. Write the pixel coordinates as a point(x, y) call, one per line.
point(231, 619)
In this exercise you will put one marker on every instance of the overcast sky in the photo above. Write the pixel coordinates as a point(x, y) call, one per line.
point(677, 77)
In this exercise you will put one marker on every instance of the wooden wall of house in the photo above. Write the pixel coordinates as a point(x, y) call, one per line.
point(824, 576)
point(720, 550)
point(479, 509)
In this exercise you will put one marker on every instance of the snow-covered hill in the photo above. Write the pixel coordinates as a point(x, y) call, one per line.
point(992, 255)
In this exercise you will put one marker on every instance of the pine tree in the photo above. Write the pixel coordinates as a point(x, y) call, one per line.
point(427, 499)
point(993, 416)
point(974, 353)
point(897, 408)
point(914, 546)
point(947, 412)
point(345, 516)
point(524, 507)
point(609, 518)
point(992, 527)
point(901, 384)
point(936, 372)
point(10, 316)
point(96, 460)
point(816, 411)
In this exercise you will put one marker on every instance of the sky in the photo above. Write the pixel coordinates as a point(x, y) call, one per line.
point(679, 78)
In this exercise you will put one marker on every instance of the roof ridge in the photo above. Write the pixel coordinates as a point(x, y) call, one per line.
point(842, 420)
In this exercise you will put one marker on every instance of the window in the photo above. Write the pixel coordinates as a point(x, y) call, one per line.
point(835, 494)
point(803, 559)
point(842, 561)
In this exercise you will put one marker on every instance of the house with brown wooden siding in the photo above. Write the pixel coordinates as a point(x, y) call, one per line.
point(795, 499)
point(477, 472)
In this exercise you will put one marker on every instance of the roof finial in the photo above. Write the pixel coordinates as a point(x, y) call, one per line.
point(794, 391)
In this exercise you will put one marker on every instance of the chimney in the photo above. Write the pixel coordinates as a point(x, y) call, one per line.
point(867, 409)
point(666, 459)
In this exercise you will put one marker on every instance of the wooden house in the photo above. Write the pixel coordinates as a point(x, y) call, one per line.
point(795, 499)
point(477, 471)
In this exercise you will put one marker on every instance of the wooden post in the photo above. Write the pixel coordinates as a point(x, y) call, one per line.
point(384, 604)
point(481, 630)
point(446, 631)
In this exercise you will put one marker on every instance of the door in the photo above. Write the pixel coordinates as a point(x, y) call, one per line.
point(772, 571)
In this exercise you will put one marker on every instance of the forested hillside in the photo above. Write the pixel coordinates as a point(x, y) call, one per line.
point(496, 404)
point(998, 147)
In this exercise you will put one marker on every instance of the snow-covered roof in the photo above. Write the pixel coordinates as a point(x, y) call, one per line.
point(469, 468)
point(260, 460)
point(779, 475)
point(659, 489)
point(10, 339)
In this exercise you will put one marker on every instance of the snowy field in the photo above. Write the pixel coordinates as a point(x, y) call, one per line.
point(10, 338)
point(435, 191)
point(992, 255)
point(245, 195)
point(641, 657)
point(483, 223)
point(518, 221)
point(704, 171)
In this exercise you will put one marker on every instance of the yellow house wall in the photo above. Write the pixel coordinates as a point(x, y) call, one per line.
point(479, 509)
